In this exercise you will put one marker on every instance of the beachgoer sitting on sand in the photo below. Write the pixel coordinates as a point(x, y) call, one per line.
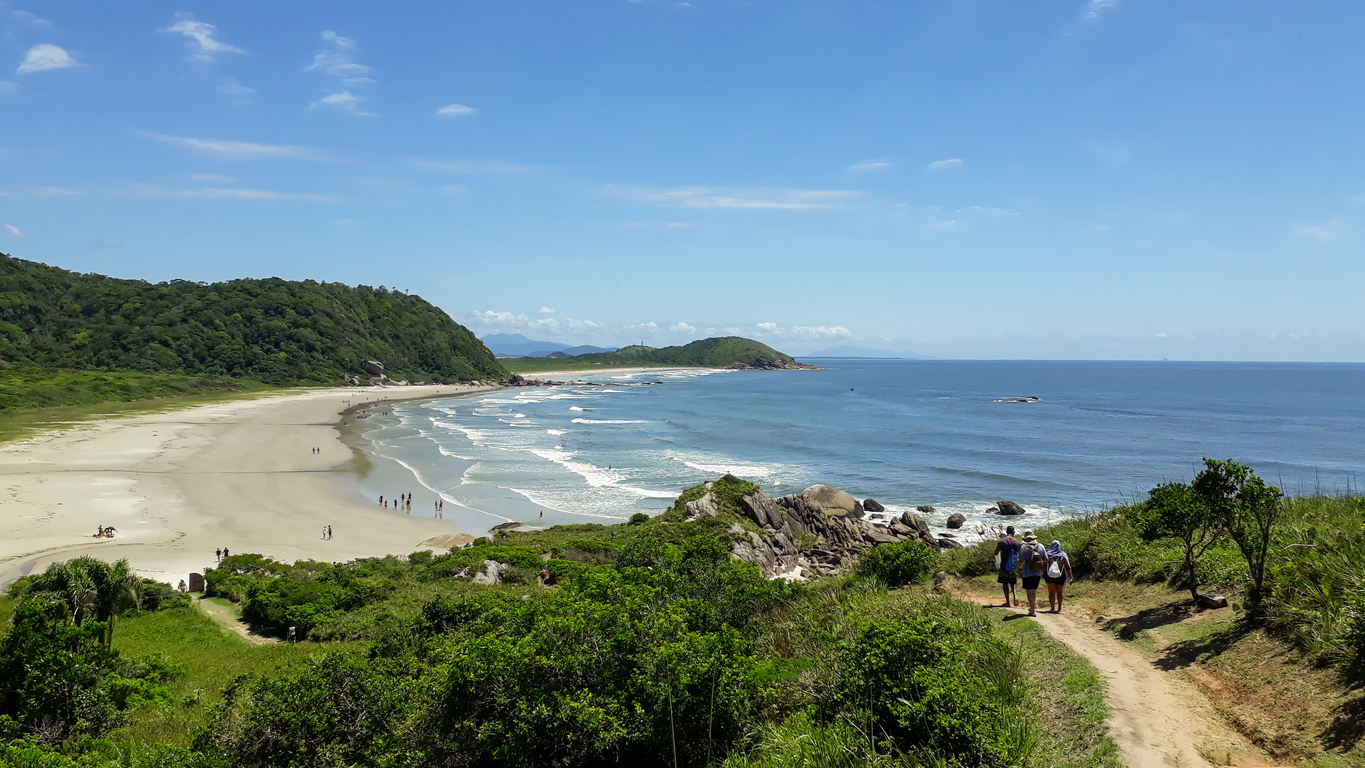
point(109, 532)
point(100, 533)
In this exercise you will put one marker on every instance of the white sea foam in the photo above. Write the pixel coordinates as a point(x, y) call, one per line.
point(576, 408)
point(737, 469)
point(609, 421)
point(556, 432)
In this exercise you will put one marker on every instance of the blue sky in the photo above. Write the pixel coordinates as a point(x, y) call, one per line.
point(1106, 179)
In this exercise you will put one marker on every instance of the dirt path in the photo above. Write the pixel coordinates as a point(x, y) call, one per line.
point(228, 620)
point(1151, 718)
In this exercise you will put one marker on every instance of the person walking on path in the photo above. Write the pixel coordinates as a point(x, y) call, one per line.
point(1057, 563)
point(219, 554)
point(1032, 566)
point(1006, 560)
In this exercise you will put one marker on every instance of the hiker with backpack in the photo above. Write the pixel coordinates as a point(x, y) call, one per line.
point(1057, 575)
point(1006, 562)
point(1032, 566)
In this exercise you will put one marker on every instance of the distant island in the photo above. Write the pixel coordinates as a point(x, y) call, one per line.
point(731, 352)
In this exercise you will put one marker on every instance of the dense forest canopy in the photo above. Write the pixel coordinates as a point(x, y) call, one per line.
point(272, 330)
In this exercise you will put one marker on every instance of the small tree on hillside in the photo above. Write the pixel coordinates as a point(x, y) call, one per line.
point(1176, 511)
point(1249, 510)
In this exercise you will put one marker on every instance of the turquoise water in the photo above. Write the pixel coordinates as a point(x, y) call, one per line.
point(903, 432)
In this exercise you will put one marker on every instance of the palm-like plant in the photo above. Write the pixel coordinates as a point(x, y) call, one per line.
point(89, 586)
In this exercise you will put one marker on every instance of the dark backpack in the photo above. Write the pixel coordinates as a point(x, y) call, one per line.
point(1037, 560)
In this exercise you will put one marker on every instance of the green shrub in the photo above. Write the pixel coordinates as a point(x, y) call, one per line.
point(898, 563)
point(639, 517)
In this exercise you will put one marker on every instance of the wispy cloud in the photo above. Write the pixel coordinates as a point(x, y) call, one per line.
point(1332, 229)
point(237, 149)
point(233, 88)
point(681, 327)
point(339, 60)
point(492, 321)
point(471, 166)
point(1093, 8)
point(868, 165)
point(802, 331)
point(755, 198)
point(13, 231)
point(943, 226)
point(548, 311)
point(202, 43)
point(455, 110)
point(29, 18)
point(345, 101)
point(952, 162)
point(221, 193)
point(45, 56)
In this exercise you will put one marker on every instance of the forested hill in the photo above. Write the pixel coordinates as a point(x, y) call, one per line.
point(272, 330)
point(721, 352)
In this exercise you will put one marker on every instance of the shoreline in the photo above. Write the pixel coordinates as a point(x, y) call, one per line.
point(179, 484)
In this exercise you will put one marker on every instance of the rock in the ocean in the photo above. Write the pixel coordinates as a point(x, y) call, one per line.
point(1009, 508)
point(956, 519)
point(872, 505)
point(913, 520)
point(924, 509)
point(833, 501)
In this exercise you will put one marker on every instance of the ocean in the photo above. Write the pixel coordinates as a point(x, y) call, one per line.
point(904, 432)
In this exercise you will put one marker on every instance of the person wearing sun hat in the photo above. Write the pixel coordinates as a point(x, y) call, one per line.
point(1032, 566)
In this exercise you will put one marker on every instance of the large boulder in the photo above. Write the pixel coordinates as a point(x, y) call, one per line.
point(762, 509)
point(372, 367)
point(706, 505)
point(913, 520)
point(925, 509)
point(1009, 508)
point(491, 573)
point(833, 501)
point(872, 505)
point(956, 519)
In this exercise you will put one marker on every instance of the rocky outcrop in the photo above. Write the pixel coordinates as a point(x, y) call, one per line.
point(372, 367)
point(833, 501)
point(772, 365)
point(706, 505)
point(925, 509)
point(814, 533)
point(491, 573)
point(872, 505)
point(956, 519)
point(1008, 508)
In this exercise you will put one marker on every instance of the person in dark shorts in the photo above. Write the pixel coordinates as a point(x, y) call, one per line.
point(1032, 566)
point(1056, 584)
point(1007, 554)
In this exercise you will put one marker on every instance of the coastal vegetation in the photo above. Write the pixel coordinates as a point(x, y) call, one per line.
point(279, 332)
point(648, 642)
point(720, 352)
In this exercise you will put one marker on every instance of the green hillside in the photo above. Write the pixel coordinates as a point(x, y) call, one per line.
point(272, 330)
point(721, 352)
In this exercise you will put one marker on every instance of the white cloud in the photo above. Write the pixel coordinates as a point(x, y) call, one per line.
point(344, 101)
point(455, 110)
point(233, 88)
point(1333, 229)
point(1161, 336)
point(868, 165)
point(238, 149)
point(471, 166)
point(800, 331)
point(546, 311)
point(756, 198)
point(682, 328)
point(339, 61)
point(13, 230)
point(44, 56)
point(201, 34)
point(490, 321)
point(770, 327)
point(943, 226)
point(1093, 8)
point(36, 21)
point(952, 162)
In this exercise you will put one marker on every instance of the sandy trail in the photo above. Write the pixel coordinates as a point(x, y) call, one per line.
point(1150, 718)
point(228, 620)
point(180, 484)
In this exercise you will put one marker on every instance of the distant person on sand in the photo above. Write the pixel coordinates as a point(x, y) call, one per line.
point(1032, 566)
point(1006, 558)
point(1060, 564)
point(225, 552)
point(218, 553)
point(329, 533)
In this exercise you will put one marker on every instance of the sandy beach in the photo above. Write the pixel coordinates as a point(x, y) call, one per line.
point(180, 484)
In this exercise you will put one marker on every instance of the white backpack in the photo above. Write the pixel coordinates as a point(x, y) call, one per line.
point(1054, 569)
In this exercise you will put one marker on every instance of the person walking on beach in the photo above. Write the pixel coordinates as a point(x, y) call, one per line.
point(1006, 560)
point(225, 552)
point(219, 554)
point(1058, 563)
point(329, 533)
point(1032, 566)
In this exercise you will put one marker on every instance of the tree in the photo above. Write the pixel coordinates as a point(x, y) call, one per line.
point(88, 586)
point(1249, 510)
point(1176, 511)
